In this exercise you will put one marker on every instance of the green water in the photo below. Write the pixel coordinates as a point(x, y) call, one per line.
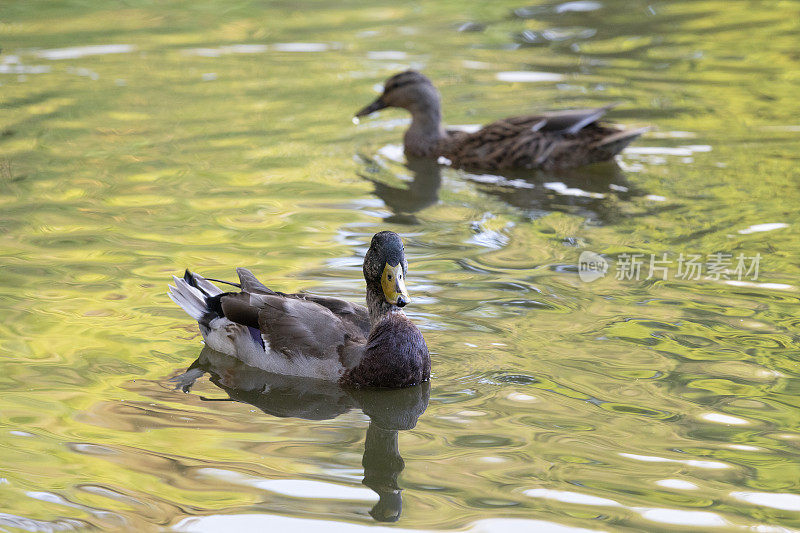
point(616, 405)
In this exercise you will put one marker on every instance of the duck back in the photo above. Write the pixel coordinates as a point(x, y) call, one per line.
point(532, 142)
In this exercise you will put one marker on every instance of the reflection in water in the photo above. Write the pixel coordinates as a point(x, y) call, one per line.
point(421, 192)
point(389, 411)
point(593, 191)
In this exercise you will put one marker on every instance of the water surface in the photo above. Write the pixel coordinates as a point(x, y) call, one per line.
point(139, 139)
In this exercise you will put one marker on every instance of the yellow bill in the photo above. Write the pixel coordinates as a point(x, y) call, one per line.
point(394, 285)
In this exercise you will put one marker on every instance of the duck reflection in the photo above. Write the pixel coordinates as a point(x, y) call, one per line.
point(594, 191)
point(389, 411)
point(421, 188)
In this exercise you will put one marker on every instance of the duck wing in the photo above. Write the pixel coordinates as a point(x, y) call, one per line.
point(355, 315)
point(570, 121)
point(295, 327)
point(555, 139)
point(284, 334)
point(507, 143)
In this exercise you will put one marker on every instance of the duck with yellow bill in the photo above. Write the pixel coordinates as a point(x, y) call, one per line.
point(316, 336)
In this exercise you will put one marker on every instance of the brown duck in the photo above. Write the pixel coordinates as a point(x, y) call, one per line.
point(316, 336)
point(549, 141)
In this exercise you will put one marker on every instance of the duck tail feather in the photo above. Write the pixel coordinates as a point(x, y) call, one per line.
point(200, 283)
point(189, 298)
point(626, 135)
point(616, 142)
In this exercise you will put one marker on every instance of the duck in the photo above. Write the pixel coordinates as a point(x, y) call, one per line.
point(552, 140)
point(311, 336)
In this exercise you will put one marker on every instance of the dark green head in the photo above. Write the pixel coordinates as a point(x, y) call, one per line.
point(385, 267)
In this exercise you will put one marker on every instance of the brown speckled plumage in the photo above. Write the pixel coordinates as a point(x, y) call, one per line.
point(551, 140)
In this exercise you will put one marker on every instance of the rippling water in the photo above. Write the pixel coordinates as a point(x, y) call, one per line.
point(137, 139)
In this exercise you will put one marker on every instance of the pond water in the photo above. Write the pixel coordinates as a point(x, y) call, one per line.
point(140, 138)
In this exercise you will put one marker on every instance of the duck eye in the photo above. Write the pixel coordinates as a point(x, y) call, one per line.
point(389, 277)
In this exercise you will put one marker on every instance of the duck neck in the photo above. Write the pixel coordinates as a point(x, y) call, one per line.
point(426, 129)
point(378, 306)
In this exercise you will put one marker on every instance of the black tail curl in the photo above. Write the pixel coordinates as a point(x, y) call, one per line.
point(213, 303)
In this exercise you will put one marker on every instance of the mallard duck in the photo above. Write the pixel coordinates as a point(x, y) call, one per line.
point(316, 336)
point(548, 141)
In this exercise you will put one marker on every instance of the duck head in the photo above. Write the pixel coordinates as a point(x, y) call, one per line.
point(409, 90)
point(385, 268)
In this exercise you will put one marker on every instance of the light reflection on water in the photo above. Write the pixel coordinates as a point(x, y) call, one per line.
point(134, 144)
